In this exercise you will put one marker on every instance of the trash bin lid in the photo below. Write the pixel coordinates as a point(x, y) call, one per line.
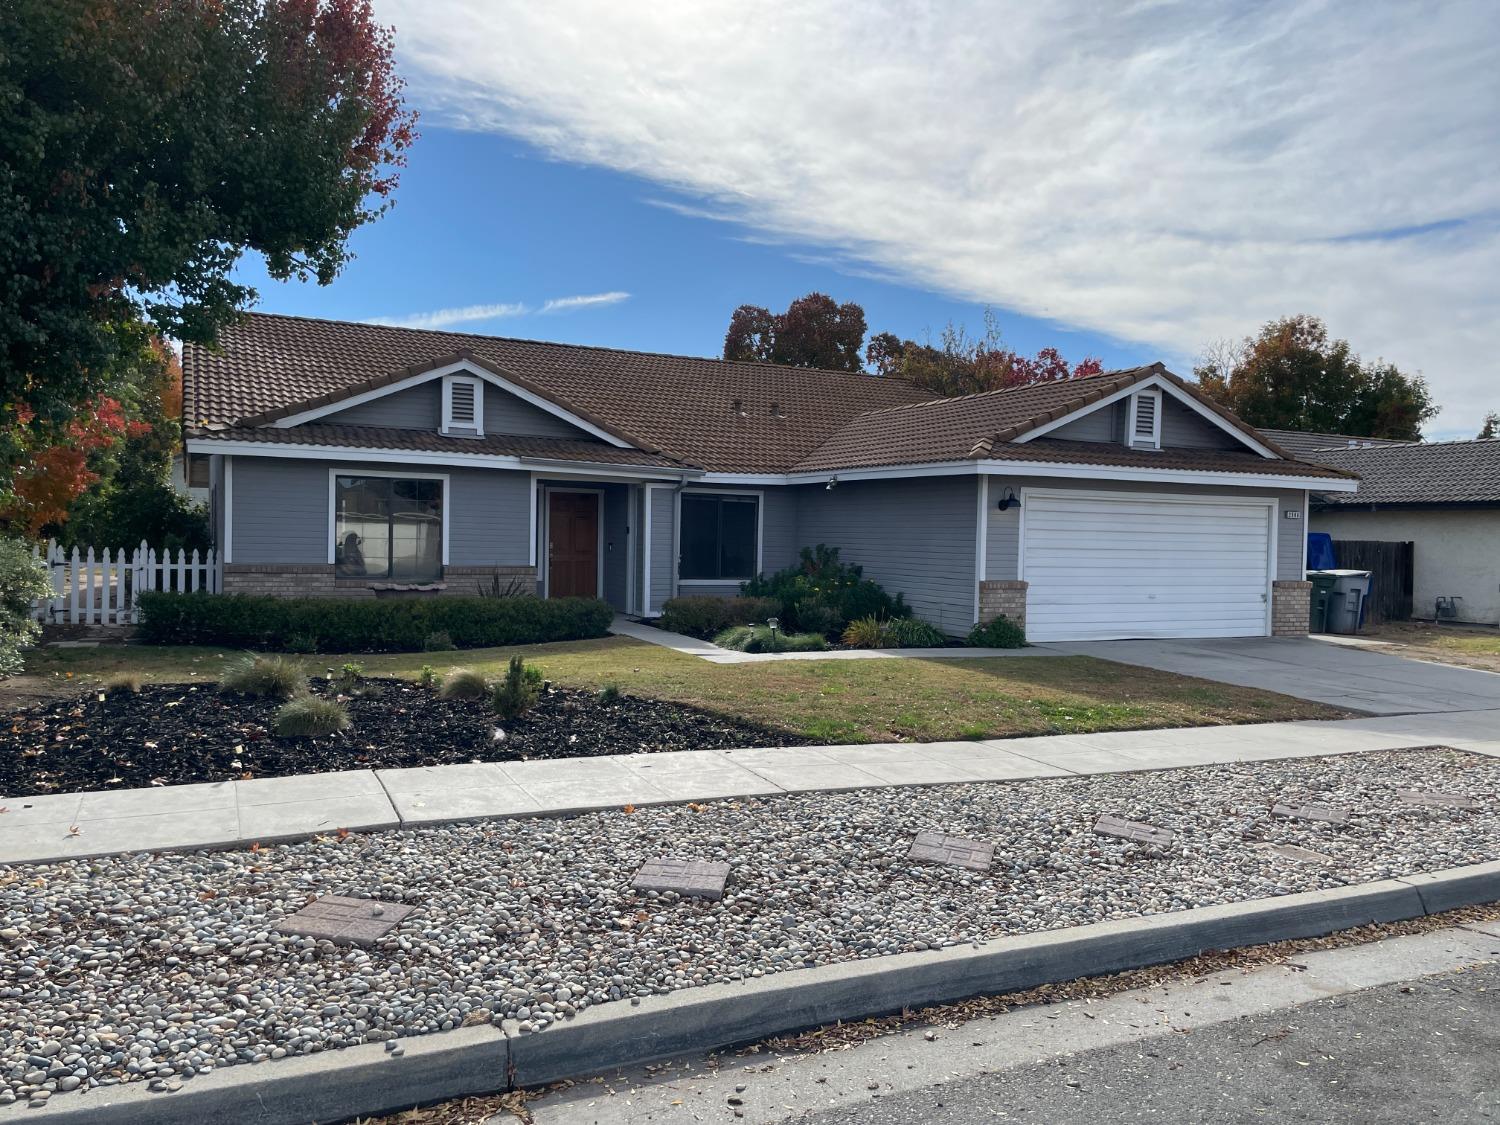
point(1339, 573)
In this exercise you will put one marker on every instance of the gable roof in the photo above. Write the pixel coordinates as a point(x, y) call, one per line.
point(1302, 443)
point(1414, 474)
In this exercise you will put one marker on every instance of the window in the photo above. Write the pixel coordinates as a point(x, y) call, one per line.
point(389, 528)
point(718, 536)
point(463, 405)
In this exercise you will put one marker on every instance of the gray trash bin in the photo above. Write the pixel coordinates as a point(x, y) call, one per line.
point(1346, 602)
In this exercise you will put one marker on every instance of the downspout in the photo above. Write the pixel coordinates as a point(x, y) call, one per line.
point(676, 534)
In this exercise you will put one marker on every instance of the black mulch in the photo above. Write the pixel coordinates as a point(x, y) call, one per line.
point(172, 733)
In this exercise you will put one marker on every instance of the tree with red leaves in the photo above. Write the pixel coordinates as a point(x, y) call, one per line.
point(147, 145)
point(815, 331)
point(961, 365)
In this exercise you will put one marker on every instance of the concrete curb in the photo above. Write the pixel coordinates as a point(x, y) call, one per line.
point(366, 1079)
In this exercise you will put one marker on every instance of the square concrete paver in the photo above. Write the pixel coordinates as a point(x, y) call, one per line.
point(1325, 814)
point(955, 851)
point(1134, 830)
point(1438, 800)
point(345, 921)
point(698, 878)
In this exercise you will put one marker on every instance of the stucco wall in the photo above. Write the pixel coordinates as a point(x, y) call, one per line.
point(1455, 552)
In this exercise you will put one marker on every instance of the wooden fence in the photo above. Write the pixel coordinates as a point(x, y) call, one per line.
point(100, 589)
point(1390, 567)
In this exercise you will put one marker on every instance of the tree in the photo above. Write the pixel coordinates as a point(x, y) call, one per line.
point(1293, 377)
point(961, 365)
point(146, 145)
point(815, 331)
point(1491, 427)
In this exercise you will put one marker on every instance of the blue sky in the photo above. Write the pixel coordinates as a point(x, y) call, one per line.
point(488, 220)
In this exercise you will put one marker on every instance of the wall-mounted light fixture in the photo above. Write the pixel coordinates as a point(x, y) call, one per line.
point(831, 482)
point(1008, 499)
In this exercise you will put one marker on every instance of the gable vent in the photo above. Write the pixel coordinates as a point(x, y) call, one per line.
point(463, 408)
point(461, 411)
point(1145, 417)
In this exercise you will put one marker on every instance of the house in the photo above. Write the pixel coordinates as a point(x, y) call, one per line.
point(1444, 498)
point(1305, 443)
point(356, 460)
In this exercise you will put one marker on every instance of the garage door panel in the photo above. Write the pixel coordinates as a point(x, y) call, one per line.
point(1107, 566)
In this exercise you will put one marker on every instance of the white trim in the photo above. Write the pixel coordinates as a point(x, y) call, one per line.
point(458, 366)
point(1133, 439)
point(549, 489)
point(1306, 518)
point(646, 551)
point(333, 475)
point(531, 522)
point(1270, 503)
point(981, 539)
point(228, 543)
point(1176, 392)
point(632, 509)
point(760, 533)
point(417, 457)
point(449, 382)
point(1018, 468)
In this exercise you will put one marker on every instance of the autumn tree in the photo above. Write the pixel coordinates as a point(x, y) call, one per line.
point(1491, 427)
point(814, 331)
point(1292, 376)
point(145, 147)
point(959, 364)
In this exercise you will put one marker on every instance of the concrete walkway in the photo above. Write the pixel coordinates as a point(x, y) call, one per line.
point(1353, 677)
point(706, 650)
point(237, 813)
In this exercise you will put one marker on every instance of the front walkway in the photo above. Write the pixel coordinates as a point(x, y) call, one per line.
point(238, 813)
point(707, 650)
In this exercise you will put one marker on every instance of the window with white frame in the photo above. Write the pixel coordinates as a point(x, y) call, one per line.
point(463, 405)
point(388, 528)
point(1144, 421)
point(718, 536)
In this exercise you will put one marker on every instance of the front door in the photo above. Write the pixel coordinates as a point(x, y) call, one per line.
point(572, 544)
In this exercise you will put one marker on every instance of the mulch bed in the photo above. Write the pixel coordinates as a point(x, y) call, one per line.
point(167, 734)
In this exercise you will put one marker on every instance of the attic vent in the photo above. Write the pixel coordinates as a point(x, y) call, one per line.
point(737, 408)
point(462, 405)
point(776, 411)
point(1145, 419)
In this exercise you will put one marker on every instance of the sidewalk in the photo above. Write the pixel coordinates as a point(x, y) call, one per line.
point(231, 814)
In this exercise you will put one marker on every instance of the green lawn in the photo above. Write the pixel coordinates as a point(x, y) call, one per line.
point(829, 701)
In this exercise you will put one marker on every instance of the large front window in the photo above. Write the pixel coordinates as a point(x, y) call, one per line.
point(389, 528)
point(718, 536)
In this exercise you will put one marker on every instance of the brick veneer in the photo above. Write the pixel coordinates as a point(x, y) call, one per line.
point(1290, 607)
point(283, 581)
point(1007, 598)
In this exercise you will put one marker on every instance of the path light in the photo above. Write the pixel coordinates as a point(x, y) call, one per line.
point(773, 623)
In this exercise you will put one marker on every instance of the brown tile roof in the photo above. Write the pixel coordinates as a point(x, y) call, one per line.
point(427, 441)
point(1201, 460)
point(679, 404)
point(1301, 443)
point(1420, 473)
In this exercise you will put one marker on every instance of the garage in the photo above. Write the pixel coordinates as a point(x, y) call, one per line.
point(1107, 566)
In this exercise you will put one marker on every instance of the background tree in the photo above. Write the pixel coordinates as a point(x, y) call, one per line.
point(1293, 377)
point(1491, 427)
point(959, 364)
point(815, 331)
point(146, 145)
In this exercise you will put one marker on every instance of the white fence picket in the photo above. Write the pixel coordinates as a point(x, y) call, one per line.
point(101, 588)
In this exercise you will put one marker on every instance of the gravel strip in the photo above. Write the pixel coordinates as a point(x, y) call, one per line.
point(160, 967)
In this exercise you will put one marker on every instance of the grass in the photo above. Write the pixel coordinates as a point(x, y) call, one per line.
point(1468, 646)
point(828, 701)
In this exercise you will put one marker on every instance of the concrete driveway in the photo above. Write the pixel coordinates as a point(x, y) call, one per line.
point(1323, 671)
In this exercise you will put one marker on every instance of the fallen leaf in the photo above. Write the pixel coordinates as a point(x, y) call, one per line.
point(628, 809)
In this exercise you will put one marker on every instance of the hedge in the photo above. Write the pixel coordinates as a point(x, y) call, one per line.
point(701, 615)
point(365, 625)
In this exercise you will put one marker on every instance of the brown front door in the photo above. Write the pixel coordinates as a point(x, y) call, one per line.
point(572, 544)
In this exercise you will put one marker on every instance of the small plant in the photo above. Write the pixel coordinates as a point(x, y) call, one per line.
point(464, 683)
point(302, 643)
point(913, 632)
point(609, 693)
point(867, 632)
point(310, 717)
point(121, 682)
point(440, 641)
point(347, 681)
point(760, 638)
point(999, 633)
point(512, 587)
point(273, 677)
point(428, 677)
point(520, 688)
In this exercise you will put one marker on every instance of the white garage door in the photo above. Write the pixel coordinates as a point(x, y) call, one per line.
point(1109, 565)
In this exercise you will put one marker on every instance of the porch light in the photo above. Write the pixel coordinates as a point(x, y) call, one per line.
point(1008, 500)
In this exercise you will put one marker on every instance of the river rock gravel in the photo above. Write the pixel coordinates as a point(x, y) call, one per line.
point(156, 968)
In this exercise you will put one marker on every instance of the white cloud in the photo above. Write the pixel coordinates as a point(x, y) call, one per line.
point(447, 318)
point(1164, 171)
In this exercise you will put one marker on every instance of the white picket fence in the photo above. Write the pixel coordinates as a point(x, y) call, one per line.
point(90, 589)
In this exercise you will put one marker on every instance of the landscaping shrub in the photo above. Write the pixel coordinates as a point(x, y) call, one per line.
point(913, 632)
point(440, 641)
point(428, 676)
point(704, 617)
point(23, 579)
point(274, 677)
point(347, 681)
point(464, 683)
point(759, 638)
point(123, 682)
point(520, 688)
point(310, 717)
point(999, 633)
point(821, 594)
point(867, 632)
point(366, 625)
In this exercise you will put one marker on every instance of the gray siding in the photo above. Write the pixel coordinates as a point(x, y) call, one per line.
point(281, 512)
point(663, 505)
point(914, 537)
point(1184, 428)
point(504, 413)
point(416, 408)
point(1001, 556)
point(1098, 425)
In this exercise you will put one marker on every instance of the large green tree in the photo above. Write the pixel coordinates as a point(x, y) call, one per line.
point(1292, 376)
point(146, 145)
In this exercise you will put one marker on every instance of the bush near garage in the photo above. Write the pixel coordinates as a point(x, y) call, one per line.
point(702, 616)
point(366, 625)
point(820, 594)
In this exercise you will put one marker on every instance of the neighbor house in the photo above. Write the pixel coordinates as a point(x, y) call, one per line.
point(1443, 498)
point(356, 460)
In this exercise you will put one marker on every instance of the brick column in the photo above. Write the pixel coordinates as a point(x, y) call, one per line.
point(1291, 602)
point(1006, 599)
